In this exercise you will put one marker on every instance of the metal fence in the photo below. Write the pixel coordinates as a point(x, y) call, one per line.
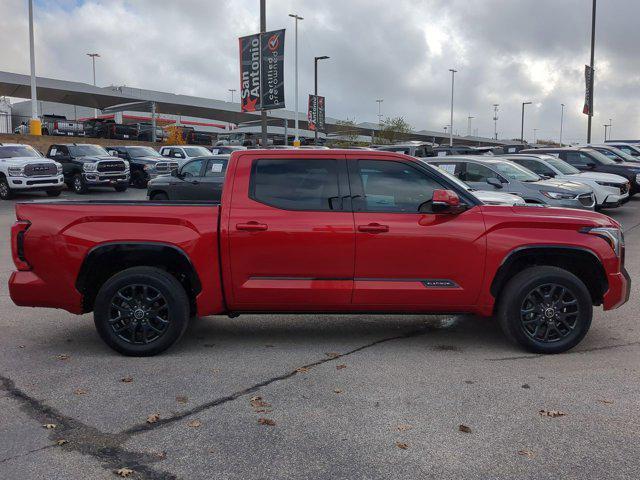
point(5, 123)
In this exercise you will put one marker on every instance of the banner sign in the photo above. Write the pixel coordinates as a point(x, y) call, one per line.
point(250, 73)
point(262, 71)
point(315, 115)
point(588, 98)
point(272, 69)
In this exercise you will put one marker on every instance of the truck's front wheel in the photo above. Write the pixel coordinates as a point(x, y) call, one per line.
point(545, 309)
point(141, 311)
point(5, 190)
point(78, 185)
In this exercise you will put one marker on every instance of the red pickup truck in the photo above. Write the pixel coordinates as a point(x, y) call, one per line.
point(319, 231)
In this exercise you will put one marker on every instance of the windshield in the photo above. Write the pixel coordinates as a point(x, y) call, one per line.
point(622, 156)
point(562, 166)
point(515, 172)
point(451, 178)
point(599, 157)
point(13, 151)
point(86, 150)
point(143, 152)
point(196, 151)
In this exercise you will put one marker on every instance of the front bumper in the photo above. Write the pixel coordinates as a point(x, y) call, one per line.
point(619, 290)
point(98, 178)
point(36, 183)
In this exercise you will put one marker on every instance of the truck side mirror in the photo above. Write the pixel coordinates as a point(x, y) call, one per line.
point(443, 201)
point(493, 181)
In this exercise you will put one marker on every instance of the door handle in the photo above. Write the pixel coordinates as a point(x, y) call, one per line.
point(373, 228)
point(251, 226)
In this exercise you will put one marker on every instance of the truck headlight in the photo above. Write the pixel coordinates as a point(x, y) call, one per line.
point(638, 178)
point(90, 167)
point(612, 235)
point(126, 165)
point(58, 169)
point(16, 171)
point(608, 184)
point(149, 167)
point(558, 195)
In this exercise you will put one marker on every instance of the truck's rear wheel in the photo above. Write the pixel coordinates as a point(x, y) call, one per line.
point(159, 196)
point(545, 309)
point(141, 311)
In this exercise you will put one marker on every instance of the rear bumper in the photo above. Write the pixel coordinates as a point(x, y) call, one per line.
point(28, 290)
point(619, 290)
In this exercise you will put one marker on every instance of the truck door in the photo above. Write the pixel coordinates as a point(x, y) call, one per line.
point(290, 234)
point(407, 260)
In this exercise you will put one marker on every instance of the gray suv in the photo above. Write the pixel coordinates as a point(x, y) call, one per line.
point(505, 176)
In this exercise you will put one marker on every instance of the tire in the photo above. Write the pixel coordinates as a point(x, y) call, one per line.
point(138, 180)
point(562, 315)
point(78, 185)
point(131, 283)
point(159, 196)
point(121, 188)
point(5, 190)
point(53, 193)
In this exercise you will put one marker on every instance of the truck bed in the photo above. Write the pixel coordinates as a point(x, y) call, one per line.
point(63, 233)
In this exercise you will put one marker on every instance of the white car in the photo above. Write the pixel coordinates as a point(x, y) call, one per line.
point(609, 189)
point(23, 169)
point(182, 153)
point(486, 197)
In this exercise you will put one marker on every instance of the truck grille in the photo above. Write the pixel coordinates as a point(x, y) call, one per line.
point(624, 188)
point(586, 199)
point(111, 166)
point(40, 170)
point(166, 167)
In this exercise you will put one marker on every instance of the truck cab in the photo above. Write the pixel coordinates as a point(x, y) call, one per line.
point(182, 153)
point(24, 169)
point(88, 166)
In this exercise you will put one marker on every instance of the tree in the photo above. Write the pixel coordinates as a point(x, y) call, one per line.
point(174, 135)
point(348, 132)
point(394, 129)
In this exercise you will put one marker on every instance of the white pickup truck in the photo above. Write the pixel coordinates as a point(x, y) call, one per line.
point(24, 169)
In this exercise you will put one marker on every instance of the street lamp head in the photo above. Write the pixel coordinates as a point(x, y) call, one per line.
point(297, 17)
point(93, 55)
point(323, 57)
point(526, 103)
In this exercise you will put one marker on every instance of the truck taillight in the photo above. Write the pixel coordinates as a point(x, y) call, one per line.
point(18, 231)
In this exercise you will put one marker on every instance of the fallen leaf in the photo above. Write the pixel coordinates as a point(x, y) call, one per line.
point(215, 370)
point(62, 441)
point(257, 402)
point(340, 367)
point(20, 346)
point(606, 402)
point(266, 421)
point(337, 390)
point(464, 428)
point(80, 391)
point(552, 413)
point(195, 423)
point(264, 410)
point(402, 446)
point(526, 386)
point(49, 426)
point(302, 369)
point(62, 356)
point(182, 399)
point(469, 382)
point(404, 427)
point(332, 354)
point(153, 418)
point(126, 379)
point(124, 472)
point(161, 455)
point(526, 453)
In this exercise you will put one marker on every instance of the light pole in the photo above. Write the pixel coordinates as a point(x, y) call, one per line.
point(296, 141)
point(495, 120)
point(35, 128)
point(93, 61)
point(605, 131)
point(561, 121)
point(379, 101)
point(232, 90)
point(453, 75)
point(315, 92)
point(535, 136)
point(610, 128)
point(522, 124)
point(469, 118)
point(593, 46)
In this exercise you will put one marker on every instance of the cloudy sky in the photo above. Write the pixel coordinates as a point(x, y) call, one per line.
point(505, 51)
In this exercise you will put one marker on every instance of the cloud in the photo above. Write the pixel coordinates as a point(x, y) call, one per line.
point(505, 52)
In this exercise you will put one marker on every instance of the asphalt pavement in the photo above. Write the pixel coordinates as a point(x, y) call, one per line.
point(318, 396)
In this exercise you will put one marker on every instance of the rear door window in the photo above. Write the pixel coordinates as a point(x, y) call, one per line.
point(292, 184)
point(477, 173)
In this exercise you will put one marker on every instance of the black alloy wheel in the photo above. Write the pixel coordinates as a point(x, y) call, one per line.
point(549, 313)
